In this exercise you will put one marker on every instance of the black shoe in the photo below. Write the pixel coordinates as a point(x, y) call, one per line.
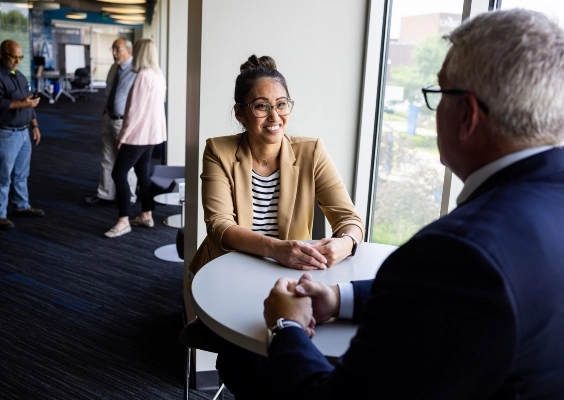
point(29, 212)
point(6, 224)
point(93, 200)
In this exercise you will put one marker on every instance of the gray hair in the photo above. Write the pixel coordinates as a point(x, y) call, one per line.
point(513, 61)
point(128, 44)
point(145, 55)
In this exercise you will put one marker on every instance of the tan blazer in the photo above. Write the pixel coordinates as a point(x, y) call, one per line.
point(306, 173)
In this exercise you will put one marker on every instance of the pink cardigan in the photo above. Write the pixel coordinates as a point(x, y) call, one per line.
point(144, 121)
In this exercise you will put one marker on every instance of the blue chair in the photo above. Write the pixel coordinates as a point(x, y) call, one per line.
point(165, 178)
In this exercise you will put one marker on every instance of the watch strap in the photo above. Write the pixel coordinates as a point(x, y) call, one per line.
point(355, 243)
point(280, 324)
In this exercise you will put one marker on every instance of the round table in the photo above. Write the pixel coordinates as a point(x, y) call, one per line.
point(171, 199)
point(168, 252)
point(228, 295)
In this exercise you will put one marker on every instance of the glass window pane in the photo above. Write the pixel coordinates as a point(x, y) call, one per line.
point(410, 174)
point(553, 9)
point(14, 26)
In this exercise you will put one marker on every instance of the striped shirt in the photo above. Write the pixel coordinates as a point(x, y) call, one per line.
point(266, 191)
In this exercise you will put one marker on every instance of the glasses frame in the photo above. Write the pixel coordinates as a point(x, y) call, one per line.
point(117, 49)
point(435, 88)
point(270, 108)
point(13, 57)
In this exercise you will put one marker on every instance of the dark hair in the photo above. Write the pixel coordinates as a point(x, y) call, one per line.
point(253, 69)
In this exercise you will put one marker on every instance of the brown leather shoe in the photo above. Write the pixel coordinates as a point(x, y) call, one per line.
point(6, 224)
point(29, 212)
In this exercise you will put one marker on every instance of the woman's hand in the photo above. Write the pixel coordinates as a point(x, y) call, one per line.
point(334, 250)
point(298, 255)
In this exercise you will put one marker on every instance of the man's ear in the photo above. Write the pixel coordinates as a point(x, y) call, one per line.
point(471, 117)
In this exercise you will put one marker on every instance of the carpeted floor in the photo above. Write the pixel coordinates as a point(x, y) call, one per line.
point(83, 316)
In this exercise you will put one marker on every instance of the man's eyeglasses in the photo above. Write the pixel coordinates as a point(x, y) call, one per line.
point(434, 93)
point(117, 49)
point(261, 110)
point(13, 57)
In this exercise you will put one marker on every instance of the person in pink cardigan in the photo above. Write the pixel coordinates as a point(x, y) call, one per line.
point(144, 126)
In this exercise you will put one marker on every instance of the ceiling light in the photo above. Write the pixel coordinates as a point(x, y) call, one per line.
point(43, 5)
point(124, 10)
point(124, 1)
point(76, 15)
point(122, 21)
point(20, 5)
point(128, 17)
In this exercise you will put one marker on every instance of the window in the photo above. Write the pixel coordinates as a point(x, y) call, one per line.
point(409, 175)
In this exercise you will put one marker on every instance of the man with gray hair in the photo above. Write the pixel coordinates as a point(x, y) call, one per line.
point(472, 306)
point(119, 81)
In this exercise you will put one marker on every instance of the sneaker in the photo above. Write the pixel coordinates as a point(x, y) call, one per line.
point(6, 224)
point(29, 212)
point(115, 232)
point(137, 221)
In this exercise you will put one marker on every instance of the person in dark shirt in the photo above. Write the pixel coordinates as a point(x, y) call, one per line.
point(17, 121)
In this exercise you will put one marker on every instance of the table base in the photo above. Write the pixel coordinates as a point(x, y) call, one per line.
point(168, 253)
point(173, 221)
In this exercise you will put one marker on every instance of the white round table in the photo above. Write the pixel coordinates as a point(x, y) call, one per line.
point(168, 252)
point(228, 295)
point(171, 199)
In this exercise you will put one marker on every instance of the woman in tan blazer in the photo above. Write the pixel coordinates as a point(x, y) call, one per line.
point(258, 194)
point(306, 173)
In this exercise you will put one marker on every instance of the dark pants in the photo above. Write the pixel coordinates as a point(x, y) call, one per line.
point(244, 373)
point(138, 157)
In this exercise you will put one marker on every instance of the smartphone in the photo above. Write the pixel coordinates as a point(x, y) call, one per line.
point(35, 95)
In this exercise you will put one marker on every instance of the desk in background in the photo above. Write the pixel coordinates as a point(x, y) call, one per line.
point(47, 90)
point(228, 295)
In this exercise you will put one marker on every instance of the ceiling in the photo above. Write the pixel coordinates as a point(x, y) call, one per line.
point(96, 6)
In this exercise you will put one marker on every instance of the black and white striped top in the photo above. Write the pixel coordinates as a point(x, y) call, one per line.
point(266, 191)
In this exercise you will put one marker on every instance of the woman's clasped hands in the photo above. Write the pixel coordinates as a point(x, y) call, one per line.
point(307, 256)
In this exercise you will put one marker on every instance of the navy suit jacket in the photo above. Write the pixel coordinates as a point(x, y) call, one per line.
point(471, 307)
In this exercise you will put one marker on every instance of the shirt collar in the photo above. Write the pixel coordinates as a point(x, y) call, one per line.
point(126, 64)
point(476, 178)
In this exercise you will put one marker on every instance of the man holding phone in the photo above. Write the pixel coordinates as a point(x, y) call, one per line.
point(17, 121)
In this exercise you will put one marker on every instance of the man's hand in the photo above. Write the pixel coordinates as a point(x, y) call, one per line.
point(325, 299)
point(27, 102)
point(282, 302)
point(36, 135)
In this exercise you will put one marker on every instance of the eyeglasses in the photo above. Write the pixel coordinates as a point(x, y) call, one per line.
point(13, 57)
point(117, 49)
point(434, 93)
point(261, 110)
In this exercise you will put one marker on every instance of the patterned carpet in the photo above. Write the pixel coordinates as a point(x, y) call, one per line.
point(82, 316)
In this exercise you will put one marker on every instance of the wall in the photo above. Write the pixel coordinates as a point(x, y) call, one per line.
point(176, 77)
point(318, 46)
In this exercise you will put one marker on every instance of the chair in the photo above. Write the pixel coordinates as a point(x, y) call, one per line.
point(165, 178)
point(81, 82)
point(196, 335)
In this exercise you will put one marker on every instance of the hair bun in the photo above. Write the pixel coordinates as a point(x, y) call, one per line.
point(255, 62)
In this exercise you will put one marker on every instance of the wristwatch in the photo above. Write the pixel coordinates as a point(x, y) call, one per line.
point(280, 324)
point(355, 243)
